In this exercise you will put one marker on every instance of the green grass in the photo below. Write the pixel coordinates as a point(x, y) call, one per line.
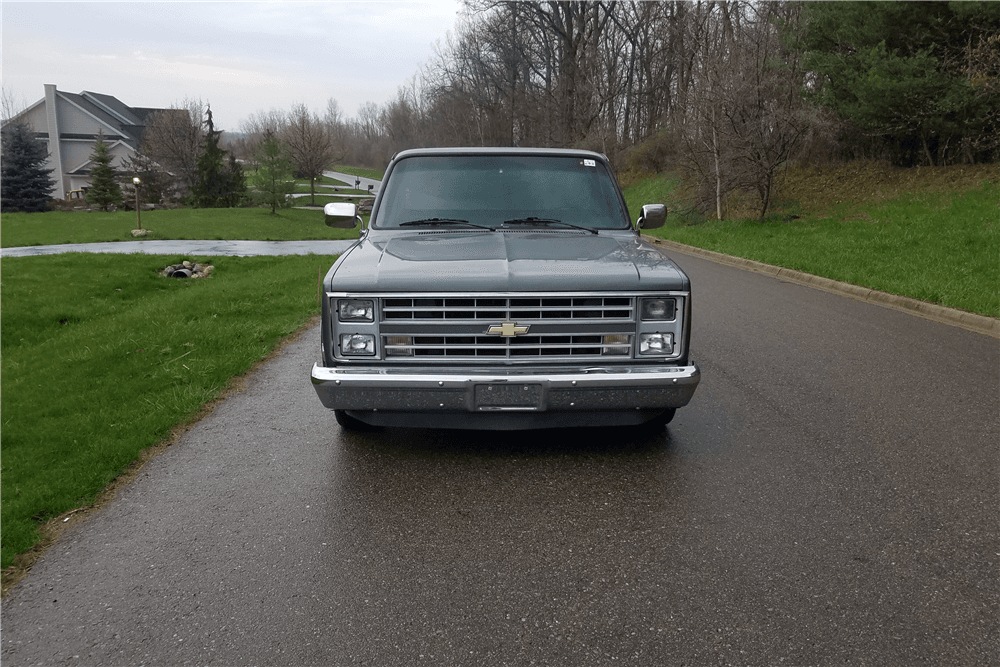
point(321, 200)
point(936, 244)
point(322, 180)
point(101, 357)
point(24, 229)
point(358, 171)
point(324, 197)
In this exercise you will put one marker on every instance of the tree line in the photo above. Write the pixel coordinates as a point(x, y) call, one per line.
point(725, 92)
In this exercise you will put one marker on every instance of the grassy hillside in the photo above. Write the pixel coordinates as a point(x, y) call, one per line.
point(928, 233)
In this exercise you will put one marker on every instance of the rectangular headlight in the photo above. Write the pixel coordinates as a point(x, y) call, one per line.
point(356, 310)
point(357, 345)
point(658, 310)
point(656, 343)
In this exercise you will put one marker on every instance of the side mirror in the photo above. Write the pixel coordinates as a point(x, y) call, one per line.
point(653, 216)
point(341, 215)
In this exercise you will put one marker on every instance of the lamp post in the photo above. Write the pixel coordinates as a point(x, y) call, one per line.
point(138, 218)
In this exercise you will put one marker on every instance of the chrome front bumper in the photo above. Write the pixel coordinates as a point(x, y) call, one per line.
point(524, 390)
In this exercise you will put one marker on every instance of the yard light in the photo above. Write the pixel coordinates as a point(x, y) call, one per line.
point(138, 219)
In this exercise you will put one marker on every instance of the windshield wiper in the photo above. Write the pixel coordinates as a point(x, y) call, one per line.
point(546, 221)
point(433, 222)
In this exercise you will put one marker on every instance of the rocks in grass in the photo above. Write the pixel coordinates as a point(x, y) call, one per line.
point(187, 269)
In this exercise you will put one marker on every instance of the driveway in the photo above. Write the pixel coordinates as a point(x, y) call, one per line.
point(358, 182)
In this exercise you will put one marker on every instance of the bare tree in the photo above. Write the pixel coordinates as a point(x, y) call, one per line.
point(11, 104)
point(707, 84)
point(748, 115)
point(174, 137)
point(333, 118)
point(311, 146)
point(254, 130)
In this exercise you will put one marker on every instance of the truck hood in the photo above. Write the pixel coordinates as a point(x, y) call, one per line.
point(522, 261)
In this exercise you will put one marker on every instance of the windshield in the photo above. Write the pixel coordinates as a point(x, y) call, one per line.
point(493, 189)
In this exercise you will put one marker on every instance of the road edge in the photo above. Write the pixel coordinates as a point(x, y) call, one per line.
point(52, 530)
point(981, 324)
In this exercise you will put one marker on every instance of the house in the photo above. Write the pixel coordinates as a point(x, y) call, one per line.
point(71, 123)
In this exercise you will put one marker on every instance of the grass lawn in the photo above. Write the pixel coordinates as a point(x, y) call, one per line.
point(936, 239)
point(358, 171)
point(321, 200)
point(23, 229)
point(102, 357)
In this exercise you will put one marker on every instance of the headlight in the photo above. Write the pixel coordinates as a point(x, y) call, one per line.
point(656, 343)
point(659, 310)
point(356, 310)
point(357, 345)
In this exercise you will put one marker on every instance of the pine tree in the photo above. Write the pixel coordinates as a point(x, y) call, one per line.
point(26, 184)
point(216, 184)
point(104, 191)
point(210, 176)
point(236, 185)
point(272, 182)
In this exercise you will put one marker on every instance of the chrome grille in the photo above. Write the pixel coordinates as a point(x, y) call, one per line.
point(455, 328)
point(528, 308)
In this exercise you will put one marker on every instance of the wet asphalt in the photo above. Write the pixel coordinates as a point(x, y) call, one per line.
point(830, 497)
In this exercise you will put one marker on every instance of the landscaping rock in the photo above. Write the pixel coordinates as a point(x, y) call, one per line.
point(187, 269)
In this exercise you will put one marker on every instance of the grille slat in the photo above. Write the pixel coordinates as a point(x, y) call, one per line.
point(559, 327)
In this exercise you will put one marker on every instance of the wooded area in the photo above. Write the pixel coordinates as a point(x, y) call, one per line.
point(724, 92)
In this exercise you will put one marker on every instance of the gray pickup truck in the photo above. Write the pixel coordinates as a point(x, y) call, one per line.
point(502, 288)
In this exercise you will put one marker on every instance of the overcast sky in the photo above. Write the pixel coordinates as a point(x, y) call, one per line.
point(242, 57)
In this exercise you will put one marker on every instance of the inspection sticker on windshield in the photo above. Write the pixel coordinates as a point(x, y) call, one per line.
point(590, 163)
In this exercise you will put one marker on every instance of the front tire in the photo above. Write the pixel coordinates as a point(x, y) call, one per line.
point(660, 422)
point(349, 423)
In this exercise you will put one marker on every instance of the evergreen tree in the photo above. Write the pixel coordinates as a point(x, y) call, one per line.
point(25, 182)
point(210, 174)
point(216, 184)
point(236, 186)
point(104, 190)
point(907, 72)
point(272, 182)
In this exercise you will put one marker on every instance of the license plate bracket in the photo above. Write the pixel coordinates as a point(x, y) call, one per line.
point(508, 396)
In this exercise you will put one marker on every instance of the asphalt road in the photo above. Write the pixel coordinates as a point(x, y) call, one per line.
point(830, 497)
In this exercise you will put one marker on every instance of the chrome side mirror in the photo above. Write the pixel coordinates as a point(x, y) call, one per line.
point(653, 216)
point(341, 215)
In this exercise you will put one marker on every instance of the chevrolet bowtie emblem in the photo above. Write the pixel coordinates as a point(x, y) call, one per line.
point(507, 329)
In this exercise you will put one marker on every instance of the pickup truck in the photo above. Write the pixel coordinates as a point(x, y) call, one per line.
point(503, 288)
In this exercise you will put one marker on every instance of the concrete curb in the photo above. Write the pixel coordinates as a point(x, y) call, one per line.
point(988, 326)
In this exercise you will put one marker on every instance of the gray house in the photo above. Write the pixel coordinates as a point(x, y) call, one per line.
point(71, 123)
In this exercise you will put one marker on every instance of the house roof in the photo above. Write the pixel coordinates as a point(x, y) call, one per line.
point(109, 110)
point(112, 111)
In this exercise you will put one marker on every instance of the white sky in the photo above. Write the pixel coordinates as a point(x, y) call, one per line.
point(242, 57)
